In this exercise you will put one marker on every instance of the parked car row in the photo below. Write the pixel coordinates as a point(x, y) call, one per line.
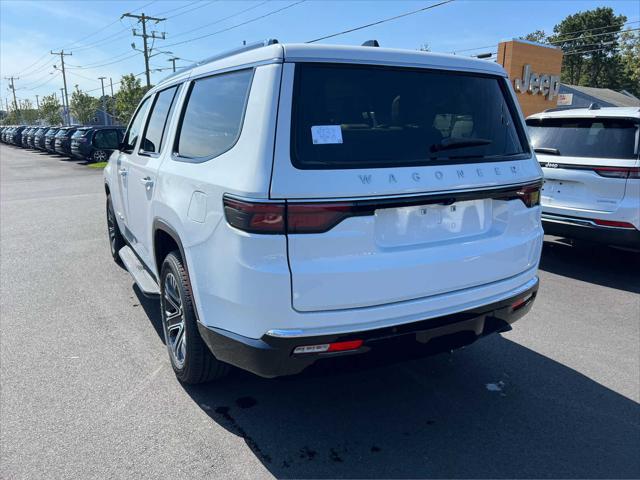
point(93, 144)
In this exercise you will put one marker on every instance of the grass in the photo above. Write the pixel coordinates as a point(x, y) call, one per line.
point(97, 165)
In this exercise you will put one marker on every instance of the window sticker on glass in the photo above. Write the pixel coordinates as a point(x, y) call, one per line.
point(326, 134)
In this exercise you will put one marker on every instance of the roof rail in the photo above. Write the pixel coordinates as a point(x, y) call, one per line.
point(557, 109)
point(228, 53)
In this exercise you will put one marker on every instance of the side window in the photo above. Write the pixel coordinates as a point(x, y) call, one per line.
point(133, 132)
point(107, 139)
point(212, 117)
point(160, 113)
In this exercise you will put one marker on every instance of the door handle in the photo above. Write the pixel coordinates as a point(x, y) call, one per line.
point(122, 171)
point(146, 181)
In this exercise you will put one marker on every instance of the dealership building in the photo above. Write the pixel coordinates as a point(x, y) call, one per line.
point(534, 70)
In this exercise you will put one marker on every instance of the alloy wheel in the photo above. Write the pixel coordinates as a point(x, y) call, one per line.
point(100, 156)
point(111, 225)
point(173, 317)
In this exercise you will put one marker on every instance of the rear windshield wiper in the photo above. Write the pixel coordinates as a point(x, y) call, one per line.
point(451, 143)
point(547, 150)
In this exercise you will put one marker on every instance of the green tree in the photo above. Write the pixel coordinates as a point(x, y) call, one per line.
point(83, 106)
point(538, 36)
point(28, 114)
point(590, 41)
point(129, 95)
point(630, 62)
point(50, 110)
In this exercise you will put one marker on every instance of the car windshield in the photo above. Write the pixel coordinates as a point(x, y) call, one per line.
point(585, 137)
point(352, 116)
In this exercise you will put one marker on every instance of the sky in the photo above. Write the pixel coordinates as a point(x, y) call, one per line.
point(100, 41)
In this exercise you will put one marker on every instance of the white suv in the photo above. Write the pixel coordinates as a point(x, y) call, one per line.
point(591, 168)
point(290, 203)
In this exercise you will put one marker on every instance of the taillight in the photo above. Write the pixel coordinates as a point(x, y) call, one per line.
point(316, 218)
point(255, 217)
point(280, 218)
point(618, 172)
point(530, 196)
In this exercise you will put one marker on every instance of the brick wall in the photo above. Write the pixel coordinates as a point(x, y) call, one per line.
point(514, 55)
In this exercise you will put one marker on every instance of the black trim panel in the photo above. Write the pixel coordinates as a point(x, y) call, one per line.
point(273, 356)
point(622, 237)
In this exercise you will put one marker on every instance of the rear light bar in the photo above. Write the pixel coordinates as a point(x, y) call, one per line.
point(521, 302)
point(329, 347)
point(618, 172)
point(613, 223)
point(281, 217)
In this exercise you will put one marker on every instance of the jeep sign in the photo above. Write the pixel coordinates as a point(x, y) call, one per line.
point(546, 85)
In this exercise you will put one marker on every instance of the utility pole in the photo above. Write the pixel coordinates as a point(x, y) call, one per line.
point(65, 109)
point(111, 82)
point(13, 89)
point(38, 107)
point(104, 108)
point(64, 80)
point(173, 63)
point(143, 19)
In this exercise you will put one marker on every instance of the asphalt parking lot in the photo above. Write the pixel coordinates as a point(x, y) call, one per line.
point(87, 390)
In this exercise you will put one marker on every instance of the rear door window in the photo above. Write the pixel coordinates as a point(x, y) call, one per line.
point(212, 119)
point(135, 127)
point(351, 116)
point(160, 113)
point(586, 137)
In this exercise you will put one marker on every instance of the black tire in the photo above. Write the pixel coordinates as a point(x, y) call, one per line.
point(116, 241)
point(192, 361)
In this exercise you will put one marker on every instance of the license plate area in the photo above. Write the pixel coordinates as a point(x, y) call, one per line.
point(422, 224)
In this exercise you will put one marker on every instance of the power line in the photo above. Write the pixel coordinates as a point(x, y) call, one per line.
point(565, 40)
point(100, 30)
point(46, 55)
point(620, 32)
point(590, 51)
point(202, 4)
point(103, 61)
point(114, 83)
point(177, 8)
point(181, 34)
point(49, 80)
point(123, 33)
point(273, 12)
point(595, 29)
point(381, 21)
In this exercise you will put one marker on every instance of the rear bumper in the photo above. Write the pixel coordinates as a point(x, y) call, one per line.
point(586, 229)
point(272, 355)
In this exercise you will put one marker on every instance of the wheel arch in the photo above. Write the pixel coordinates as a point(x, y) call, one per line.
point(165, 240)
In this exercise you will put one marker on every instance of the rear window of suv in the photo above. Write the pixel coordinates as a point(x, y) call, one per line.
point(585, 137)
point(351, 116)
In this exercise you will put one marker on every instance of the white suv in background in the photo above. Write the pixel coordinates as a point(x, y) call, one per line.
point(591, 170)
point(291, 203)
